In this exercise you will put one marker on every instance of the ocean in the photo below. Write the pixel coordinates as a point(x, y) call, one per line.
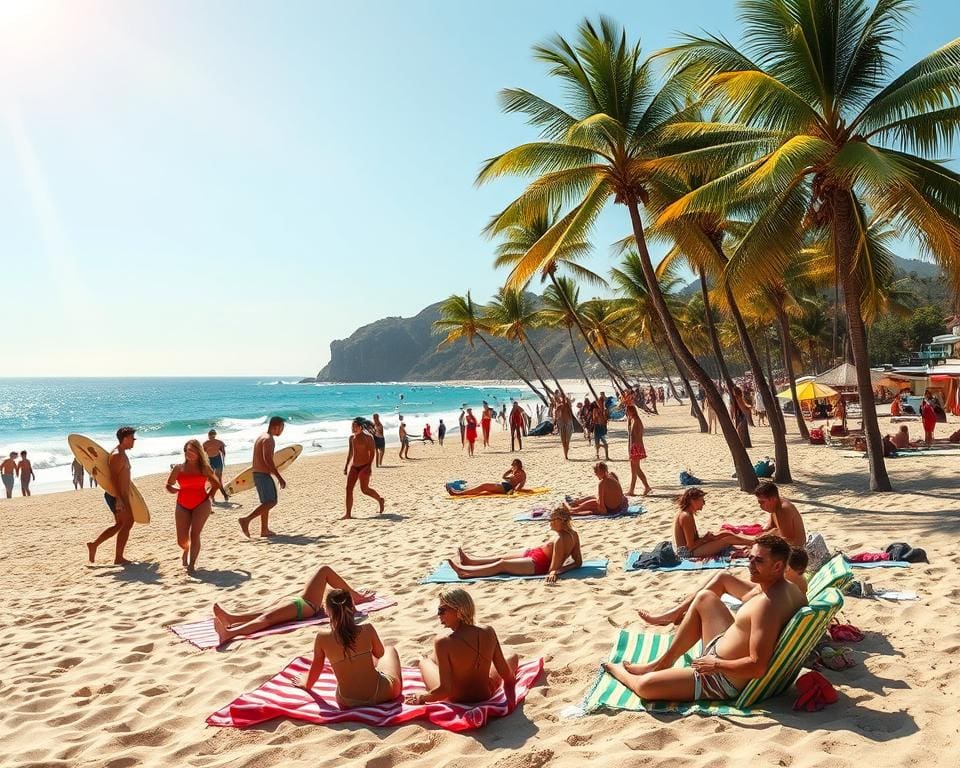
point(36, 415)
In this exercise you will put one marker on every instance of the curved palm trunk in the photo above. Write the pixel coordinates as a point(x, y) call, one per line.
point(509, 365)
point(546, 367)
point(844, 238)
point(649, 383)
point(666, 372)
point(721, 362)
point(620, 374)
point(580, 363)
point(783, 325)
point(536, 371)
point(746, 476)
point(695, 410)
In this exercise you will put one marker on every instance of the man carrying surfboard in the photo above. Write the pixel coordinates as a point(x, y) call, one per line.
point(362, 451)
point(119, 504)
point(263, 469)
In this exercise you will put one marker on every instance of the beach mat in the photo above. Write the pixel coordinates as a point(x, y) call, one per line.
point(881, 564)
point(534, 491)
point(202, 635)
point(279, 697)
point(444, 574)
point(542, 515)
point(700, 564)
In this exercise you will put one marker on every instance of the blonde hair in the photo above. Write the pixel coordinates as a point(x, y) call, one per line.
point(205, 469)
point(563, 515)
point(461, 602)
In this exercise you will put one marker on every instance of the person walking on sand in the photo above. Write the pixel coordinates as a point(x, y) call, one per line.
point(471, 422)
point(637, 451)
point(486, 416)
point(404, 441)
point(503, 417)
point(216, 452)
point(463, 426)
point(189, 481)
point(263, 471)
point(77, 469)
point(929, 418)
point(379, 441)
point(362, 452)
point(600, 427)
point(8, 473)
point(25, 470)
point(563, 414)
point(516, 427)
point(119, 505)
point(441, 432)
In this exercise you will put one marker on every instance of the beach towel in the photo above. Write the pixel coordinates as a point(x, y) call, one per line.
point(868, 557)
point(750, 529)
point(278, 697)
point(534, 491)
point(542, 515)
point(444, 574)
point(698, 564)
point(882, 564)
point(797, 640)
point(202, 635)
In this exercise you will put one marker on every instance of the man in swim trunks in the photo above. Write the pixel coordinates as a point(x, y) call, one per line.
point(441, 432)
point(404, 442)
point(379, 441)
point(8, 471)
point(217, 453)
point(25, 470)
point(600, 426)
point(513, 480)
point(609, 500)
point(77, 469)
point(119, 505)
point(563, 414)
point(516, 427)
point(637, 451)
point(736, 650)
point(362, 451)
point(785, 520)
point(263, 469)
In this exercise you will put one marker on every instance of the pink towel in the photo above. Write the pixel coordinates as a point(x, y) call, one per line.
point(202, 634)
point(751, 529)
point(868, 557)
point(278, 697)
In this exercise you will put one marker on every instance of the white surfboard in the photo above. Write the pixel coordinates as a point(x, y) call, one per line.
point(282, 459)
point(96, 460)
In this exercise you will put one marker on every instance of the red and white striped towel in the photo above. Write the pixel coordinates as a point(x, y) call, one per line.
point(202, 634)
point(279, 697)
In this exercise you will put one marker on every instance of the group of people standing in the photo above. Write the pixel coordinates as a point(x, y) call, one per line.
point(11, 468)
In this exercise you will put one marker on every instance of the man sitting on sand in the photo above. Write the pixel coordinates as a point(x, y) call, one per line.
point(736, 650)
point(687, 538)
point(610, 499)
point(725, 583)
point(231, 625)
point(785, 520)
point(513, 480)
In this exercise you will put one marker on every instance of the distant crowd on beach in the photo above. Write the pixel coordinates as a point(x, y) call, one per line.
point(12, 468)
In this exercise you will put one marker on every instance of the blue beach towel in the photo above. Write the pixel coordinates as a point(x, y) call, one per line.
point(542, 515)
point(716, 563)
point(444, 574)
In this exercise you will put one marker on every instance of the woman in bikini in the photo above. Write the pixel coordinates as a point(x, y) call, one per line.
point(189, 481)
point(231, 625)
point(513, 480)
point(689, 541)
point(367, 671)
point(467, 665)
point(549, 559)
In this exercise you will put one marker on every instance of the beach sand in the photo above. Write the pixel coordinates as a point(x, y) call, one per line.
point(91, 677)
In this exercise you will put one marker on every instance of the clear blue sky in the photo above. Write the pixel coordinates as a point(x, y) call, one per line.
point(237, 184)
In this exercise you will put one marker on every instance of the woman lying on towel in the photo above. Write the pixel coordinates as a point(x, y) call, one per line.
point(467, 665)
point(231, 625)
point(688, 540)
point(367, 671)
point(610, 499)
point(512, 480)
point(550, 558)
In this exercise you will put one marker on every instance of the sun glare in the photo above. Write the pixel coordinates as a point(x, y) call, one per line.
point(30, 30)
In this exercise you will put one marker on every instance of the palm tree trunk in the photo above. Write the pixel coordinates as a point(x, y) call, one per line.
point(695, 410)
point(580, 363)
point(509, 365)
point(650, 383)
point(546, 367)
point(746, 476)
point(844, 238)
point(783, 325)
point(620, 374)
point(643, 371)
point(666, 373)
point(536, 371)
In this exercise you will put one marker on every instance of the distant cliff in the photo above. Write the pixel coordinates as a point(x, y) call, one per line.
point(405, 349)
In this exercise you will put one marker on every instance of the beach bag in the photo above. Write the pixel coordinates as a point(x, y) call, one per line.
point(817, 437)
point(818, 552)
point(838, 430)
point(687, 479)
point(764, 468)
point(661, 556)
point(903, 552)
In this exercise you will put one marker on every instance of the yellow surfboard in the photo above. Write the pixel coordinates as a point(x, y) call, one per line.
point(282, 459)
point(96, 460)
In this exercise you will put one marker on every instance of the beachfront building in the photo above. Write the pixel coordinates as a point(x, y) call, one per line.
point(934, 368)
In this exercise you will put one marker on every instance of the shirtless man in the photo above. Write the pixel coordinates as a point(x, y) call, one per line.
point(687, 538)
point(902, 439)
point(609, 499)
point(404, 442)
point(785, 520)
point(217, 453)
point(379, 441)
point(513, 480)
point(362, 451)
point(563, 414)
point(600, 426)
point(637, 451)
point(466, 666)
point(119, 505)
point(25, 470)
point(77, 469)
point(736, 650)
point(263, 468)
point(8, 471)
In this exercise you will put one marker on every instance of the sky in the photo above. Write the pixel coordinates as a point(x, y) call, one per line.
point(222, 188)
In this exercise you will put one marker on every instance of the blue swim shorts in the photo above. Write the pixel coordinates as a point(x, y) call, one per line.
point(216, 462)
point(266, 488)
point(111, 502)
point(7, 482)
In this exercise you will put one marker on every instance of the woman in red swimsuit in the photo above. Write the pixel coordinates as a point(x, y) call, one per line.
point(189, 481)
point(549, 559)
point(485, 419)
point(471, 422)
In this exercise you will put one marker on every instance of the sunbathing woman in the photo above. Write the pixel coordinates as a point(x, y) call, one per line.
point(231, 625)
point(687, 538)
point(549, 559)
point(467, 665)
point(513, 480)
point(610, 499)
point(367, 671)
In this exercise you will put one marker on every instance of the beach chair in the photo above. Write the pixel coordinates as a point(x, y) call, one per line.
point(834, 573)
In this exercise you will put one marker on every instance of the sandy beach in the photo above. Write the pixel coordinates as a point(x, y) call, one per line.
point(91, 676)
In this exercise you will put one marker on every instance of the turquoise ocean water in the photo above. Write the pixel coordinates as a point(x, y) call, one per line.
point(36, 415)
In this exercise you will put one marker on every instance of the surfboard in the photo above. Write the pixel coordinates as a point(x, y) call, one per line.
point(282, 458)
point(96, 460)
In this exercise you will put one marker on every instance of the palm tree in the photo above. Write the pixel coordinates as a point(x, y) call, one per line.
point(596, 151)
point(511, 314)
point(561, 308)
point(820, 137)
point(601, 321)
point(459, 319)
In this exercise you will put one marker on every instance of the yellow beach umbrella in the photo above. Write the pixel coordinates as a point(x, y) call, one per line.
point(811, 390)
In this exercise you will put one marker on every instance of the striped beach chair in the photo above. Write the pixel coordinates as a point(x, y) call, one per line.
point(834, 573)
